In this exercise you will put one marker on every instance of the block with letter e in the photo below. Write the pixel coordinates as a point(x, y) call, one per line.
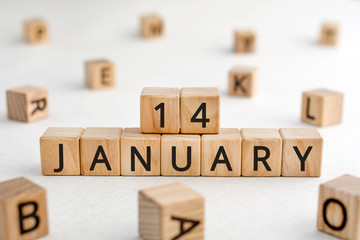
point(99, 74)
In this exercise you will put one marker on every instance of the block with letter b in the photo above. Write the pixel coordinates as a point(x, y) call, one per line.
point(244, 41)
point(152, 26)
point(27, 103)
point(160, 110)
point(243, 81)
point(329, 34)
point(200, 110)
point(322, 107)
point(171, 211)
point(99, 74)
point(36, 31)
point(60, 151)
point(23, 210)
point(339, 207)
point(140, 153)
point(302, 152)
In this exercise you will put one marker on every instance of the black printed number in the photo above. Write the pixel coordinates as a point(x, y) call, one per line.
point(161, 106)
point(203, 118)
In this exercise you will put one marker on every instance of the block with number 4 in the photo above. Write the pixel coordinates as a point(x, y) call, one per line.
point(200, 110)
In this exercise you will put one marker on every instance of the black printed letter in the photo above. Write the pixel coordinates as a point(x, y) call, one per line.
point(147, 164)
point(217, 159)
point(183, 231)
point(342, 225)
point(61, 158)
point(40, 105)
point(22, 217)
point(104, 159)
point(308, 110)
point(262, 159)
point(188, 164)
point(302, 158)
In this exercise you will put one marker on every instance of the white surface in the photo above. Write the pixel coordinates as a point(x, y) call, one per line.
point(196, 51)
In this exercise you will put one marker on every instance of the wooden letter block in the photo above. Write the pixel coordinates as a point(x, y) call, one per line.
point(329, 34)
point(200, 110)
point(339, 207)
point(322, 107)
point(100, 74)
point(244, 41)
point(160, 110)
point(27, 103)
point(151, 26)
point(171, 211)
point(60, 151)
point(36, 31)
point(140, 153)
point(180, 155)
point(302, 152)
point(23, 210)
point(261, 152)
point(100, 151)
point(221, 153)
point(243, 81)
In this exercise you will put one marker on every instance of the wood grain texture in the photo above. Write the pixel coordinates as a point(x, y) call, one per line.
point(243, 81)
point(301, 141)
point(21, 191)
point(340, 200)
point(132, 137)
point(99, 74)
point(52, 142)
point(151, 26)
point(93, 141)
point(244, 41)
point(329, 34)
point(191, 101)
point(36, 31)
point(27, 103)
point(322, 107)
point(150, 117)
point(183, 144)
point(261, 137)
point(159, 205)
point(225, 146)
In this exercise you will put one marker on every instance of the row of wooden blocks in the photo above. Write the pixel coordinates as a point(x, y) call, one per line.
point(152, 26)
point(171, 211)
point(232, 152)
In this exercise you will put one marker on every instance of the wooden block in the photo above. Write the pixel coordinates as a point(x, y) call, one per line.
point(221, 153)
point(27, 103)
point(160, 110)
point(322, 107)
point(244, 41)
point(302, 152)
point(339, 207)
point(261, 152)
point(243, 81)
point(171, 211)
point(140, 153)
point(329, 34)
point(200, 110)
point(36, 31)
point(100, 151)
point(180, 155)
point(152, 26)
point(99, 74)
point(60, 151)
point(23, 210)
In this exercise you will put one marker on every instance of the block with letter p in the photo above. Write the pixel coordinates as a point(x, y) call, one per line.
point(171, 211)
point(23, 210)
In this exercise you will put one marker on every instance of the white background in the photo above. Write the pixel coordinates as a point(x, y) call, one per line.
point(195, 51)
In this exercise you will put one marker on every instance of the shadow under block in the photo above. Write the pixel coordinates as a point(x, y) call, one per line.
point(36, 31)
point(171, 211)
point(140, 153)
point(301, 152)
point(160, 110)
point(200, 110)
point(23, 210)
point(151, 26)
point(339, 207)
point(329, 34)
point(27, 103)
point(180, 155)
point(243, 81)
point(99, 74)
point(322, 107)
point(60, 151)
point(100, 151)
point(244, 41)
point(221, 153)
point(261, 152)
